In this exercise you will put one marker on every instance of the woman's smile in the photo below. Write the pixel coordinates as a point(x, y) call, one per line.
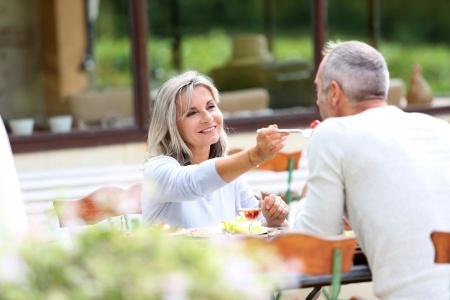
point(208, 130)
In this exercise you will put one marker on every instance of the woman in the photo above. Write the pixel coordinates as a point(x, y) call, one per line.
point(190, 181)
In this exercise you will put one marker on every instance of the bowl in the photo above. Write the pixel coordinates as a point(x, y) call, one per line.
point(21, 126)
point(60, 123)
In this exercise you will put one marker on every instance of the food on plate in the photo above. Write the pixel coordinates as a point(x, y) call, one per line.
point(240, 226)
point(170, 230)
point(204, 232)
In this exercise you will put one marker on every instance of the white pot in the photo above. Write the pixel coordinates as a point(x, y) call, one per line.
point(21, 126)
point(60, 123)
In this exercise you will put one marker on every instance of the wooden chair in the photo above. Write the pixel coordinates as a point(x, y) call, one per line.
point(99, 205)
point(283, 161)
point(441, 242)
point(279, 163)
point(313, 255)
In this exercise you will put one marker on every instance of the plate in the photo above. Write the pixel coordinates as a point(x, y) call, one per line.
point(265, 230)
point(208, 232)
point(204, 232)
point(279, 230)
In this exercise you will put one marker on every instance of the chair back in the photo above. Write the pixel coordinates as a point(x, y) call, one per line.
point(282, 162)
point(279, 163)
point(101, 204)
point(314, 254)
point(441, 242)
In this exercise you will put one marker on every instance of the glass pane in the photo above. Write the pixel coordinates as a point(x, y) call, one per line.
point(212, 42)
point(107, 101)
point(255, 76)
point(20, 87)
point(58, 69)
point(405, 37)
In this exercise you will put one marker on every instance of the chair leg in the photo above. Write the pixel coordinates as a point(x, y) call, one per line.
point(314, 294)
point(335, 287)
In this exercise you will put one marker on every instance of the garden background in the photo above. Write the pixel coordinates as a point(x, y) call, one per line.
point(410, 31)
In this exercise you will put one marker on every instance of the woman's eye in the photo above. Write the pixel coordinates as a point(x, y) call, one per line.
point(211, 106)
point(191, 113)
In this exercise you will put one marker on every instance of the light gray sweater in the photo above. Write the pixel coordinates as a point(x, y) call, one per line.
point(388, 172)
point(191, 196)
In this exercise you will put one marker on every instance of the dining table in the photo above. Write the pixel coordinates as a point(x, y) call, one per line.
point(360, 271)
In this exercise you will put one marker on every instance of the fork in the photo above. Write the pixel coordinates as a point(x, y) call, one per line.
point(306, 132)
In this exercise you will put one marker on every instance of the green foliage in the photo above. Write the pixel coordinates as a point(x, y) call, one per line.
point(106, 264)
point(205, 52)
point(411, 31)
point(400, 20)
point(113, 63)
point(434, 59)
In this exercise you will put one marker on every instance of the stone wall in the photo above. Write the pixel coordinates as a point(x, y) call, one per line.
point(19, 59)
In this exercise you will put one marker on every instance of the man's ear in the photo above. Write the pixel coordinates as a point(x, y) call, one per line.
point(335, 93)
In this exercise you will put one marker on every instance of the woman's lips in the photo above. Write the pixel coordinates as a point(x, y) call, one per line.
point(210, 129)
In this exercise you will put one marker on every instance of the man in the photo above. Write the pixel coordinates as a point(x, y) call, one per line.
point(386, 171)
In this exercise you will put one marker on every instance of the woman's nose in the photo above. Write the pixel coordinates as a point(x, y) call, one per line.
point(206, 117)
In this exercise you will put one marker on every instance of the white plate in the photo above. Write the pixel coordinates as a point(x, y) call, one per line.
point(265, 230)
point(204, 232)
point(207, 232)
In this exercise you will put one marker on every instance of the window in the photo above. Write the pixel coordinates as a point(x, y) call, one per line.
point(49, 70)
point(36, 83)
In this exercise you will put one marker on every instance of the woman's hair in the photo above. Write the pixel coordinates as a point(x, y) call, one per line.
point(360, 70)
point(163, 135)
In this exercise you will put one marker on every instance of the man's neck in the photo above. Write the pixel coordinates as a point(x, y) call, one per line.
point(358, 107)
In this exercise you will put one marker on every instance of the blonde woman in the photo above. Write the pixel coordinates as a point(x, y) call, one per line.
point(190, 181)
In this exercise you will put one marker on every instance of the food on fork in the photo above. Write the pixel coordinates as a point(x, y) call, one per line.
point(169, 230)
point(314, 124)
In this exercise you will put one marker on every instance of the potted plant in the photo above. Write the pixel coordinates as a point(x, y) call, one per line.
point(106, 264)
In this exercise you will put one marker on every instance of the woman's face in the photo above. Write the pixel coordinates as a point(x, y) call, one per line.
point(203, 123)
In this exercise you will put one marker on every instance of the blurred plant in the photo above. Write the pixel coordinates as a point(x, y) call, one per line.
point(106, 264)
point(212, 50)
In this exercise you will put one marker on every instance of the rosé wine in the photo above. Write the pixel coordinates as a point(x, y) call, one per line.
point(250, 213)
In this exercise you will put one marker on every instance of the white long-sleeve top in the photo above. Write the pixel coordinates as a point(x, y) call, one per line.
point(388, 172)
point(191, 196)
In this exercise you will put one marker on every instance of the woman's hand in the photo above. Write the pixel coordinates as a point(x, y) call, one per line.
point(268, 143)
point(275, 210)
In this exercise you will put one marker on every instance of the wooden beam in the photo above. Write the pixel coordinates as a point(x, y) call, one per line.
point(175, 20)
point(139, 37)
point(319, 25)
point(373, 22)
point(63, 44)
point(269, 22)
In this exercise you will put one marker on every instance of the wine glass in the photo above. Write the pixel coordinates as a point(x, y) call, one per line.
point(251, 213)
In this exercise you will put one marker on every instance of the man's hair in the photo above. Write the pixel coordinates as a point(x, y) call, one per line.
point(163, 135)
point(359, 69)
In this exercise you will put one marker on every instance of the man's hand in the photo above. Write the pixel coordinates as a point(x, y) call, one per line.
point(275, 210)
